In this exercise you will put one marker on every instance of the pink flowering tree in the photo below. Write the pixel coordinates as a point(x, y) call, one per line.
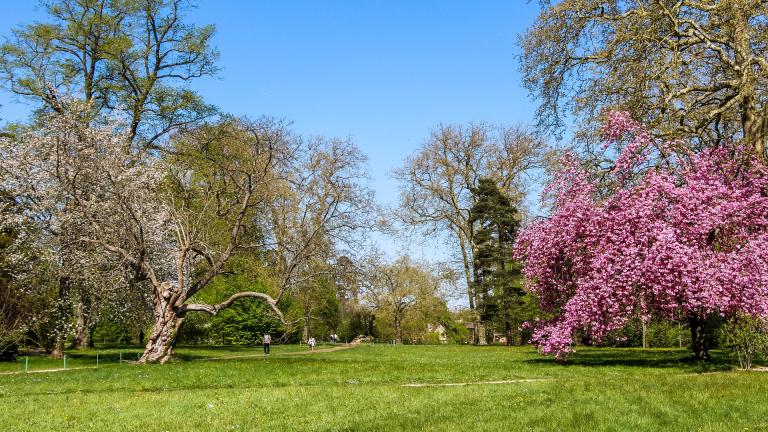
point(679, 236)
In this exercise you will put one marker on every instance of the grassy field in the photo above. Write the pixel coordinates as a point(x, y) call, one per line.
point(373, 388)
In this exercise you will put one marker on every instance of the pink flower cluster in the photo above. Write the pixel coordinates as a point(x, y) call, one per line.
point(688, 240)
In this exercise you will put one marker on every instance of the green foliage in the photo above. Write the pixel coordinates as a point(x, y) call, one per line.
point(456, 332)
point(667, 334)
point(496, 277)
point(243, 323)
point(113, 332)
point(317, 306)
point(358, 322)
point(745, 336)
point(659, 334)
point(431, 339)
point(498, 281)
point(406, 298)
point(127, 55)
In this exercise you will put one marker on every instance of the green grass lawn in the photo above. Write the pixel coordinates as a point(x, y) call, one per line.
point(363, 389)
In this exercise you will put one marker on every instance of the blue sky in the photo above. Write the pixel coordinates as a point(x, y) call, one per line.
point(381, 73)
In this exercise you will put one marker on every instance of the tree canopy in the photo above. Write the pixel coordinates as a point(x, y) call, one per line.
point(134, 56)
point(684, 241)
point(694, 70)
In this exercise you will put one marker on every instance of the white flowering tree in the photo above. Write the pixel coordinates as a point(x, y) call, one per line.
point(176, 220)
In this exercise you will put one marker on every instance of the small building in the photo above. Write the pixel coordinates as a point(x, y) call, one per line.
point(439, 330)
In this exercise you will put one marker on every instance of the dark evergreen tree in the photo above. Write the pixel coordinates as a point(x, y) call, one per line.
point(497, 277)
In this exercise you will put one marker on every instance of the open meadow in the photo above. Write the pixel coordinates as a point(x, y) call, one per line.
point(385, 387)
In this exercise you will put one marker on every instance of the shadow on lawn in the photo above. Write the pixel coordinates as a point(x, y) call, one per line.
point(233, 355)
point(229, 348)
point(611, 357)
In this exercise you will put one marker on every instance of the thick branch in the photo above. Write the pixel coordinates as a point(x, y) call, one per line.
point(214, 309)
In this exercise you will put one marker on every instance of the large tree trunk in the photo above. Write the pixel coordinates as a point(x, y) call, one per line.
point(168, 322)
point(753, 119)
point(755, 124)
point(305, 333)
point(467, 271)
point(398, 331)
point(63, 314)
point(481, 336)
point(699, 343)
point(83, 323)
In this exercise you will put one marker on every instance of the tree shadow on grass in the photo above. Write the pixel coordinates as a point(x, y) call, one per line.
point(659, 359)
point(231, 348)
point(133, 352)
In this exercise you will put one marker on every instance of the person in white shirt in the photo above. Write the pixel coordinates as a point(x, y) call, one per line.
point(311, 342)
point(267, 339)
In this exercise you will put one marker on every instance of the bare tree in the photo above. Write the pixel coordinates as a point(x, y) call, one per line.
point(436, 182)
point(325, 206)
point(695, 70)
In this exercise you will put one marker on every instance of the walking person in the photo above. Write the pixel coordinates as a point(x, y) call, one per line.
point(311, 342)
point(267, 339)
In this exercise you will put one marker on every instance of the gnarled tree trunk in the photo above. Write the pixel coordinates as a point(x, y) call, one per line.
point(168, 320)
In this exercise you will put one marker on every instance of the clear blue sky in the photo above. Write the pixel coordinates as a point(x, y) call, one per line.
point(381, 72)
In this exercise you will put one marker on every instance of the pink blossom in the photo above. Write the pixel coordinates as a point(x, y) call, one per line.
point(688, 240)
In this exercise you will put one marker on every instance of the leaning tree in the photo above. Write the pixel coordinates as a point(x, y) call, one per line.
point(135, 57)
point(176, 222)
point(678, 236)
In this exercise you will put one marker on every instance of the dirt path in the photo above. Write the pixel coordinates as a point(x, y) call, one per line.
point(47, 370)
point(514, 381)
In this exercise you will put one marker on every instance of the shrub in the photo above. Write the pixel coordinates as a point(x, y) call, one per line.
point(659, 334)
point(243, 323)
point(9, 344)
point(112, 332)
point(745, 336)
